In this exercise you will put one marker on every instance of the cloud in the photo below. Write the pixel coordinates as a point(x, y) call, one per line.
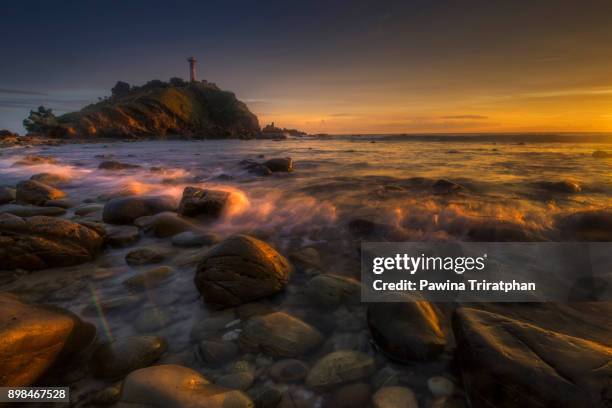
point(20, 92)
point(465, 117)
point(340, 115)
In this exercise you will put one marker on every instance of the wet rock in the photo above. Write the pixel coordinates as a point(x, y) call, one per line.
point(264, 396)
point(167, 224)
point(110, 306)
point(151, 320)
point(255, 168)
point(279, 334)
point(351, 396)
point(176, 386)
point(600, 154)
point(385, 377)
point(497, 231)
point(507, 358)
point(51, 179)
point(211, 325)
point(191, 239)
point(446, 187)
point(32, 160)
point(31, 210)
point(203, 202)
point(564, 186)
point(306, 258)
point(440, 387)
point(241, 376)
point(108, 395)
point(33, 192)
point(34, 337)
point(394, 397)
point(414, 333)
point(280, 164)
point(7, 195)
point(149, 279)
point(216, 351)
point(124, 210)
point(240, 269)
point(121, 235)
point(587, 225)
point(144, 256)
point(330, 290)
point(288, 371)
point(115, 165)
point(120, 357)
point(43, 242)
point(88, 209)
point(60, 202)
point(364, 229)
point(340, 367)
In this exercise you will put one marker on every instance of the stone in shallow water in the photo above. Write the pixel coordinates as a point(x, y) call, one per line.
point(394, 397)
point(241, 376)
point(211, 325)
point(240, 269)
point(124, 210)
point(116, 305)
point(280, 164)
point(144, 256)
point(60, 202)
point(414, 333)
point(288, 371)
point(279, 334)
point(189, 239)
point(32, 160)
point(150, 278)
point(265, 396)
point(440, 386)
point(167, 224)
point(217, 352)
point(31, 210)
point(115, 165)
point(151, 320)
point(351, 396)
point(176, 386)
point(33, 192)
point(117, 359)
point(593, 225)
point(306, 258)
point(340, 367)
point(328, 290)
point(51, 179)
point(203, 202)
point(88, 209)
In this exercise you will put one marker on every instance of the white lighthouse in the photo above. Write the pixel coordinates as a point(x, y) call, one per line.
point(192, 68)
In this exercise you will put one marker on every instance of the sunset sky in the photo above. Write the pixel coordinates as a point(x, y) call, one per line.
point(327, 66)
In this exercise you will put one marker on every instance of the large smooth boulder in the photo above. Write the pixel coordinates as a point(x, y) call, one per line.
point(241, 269)
point(329, 290)
point(340, 367)
point(407, 331)
point(279, 334)
point(33, 160)
point(120, 357)
point(203, 202)
point(51, 179)
point(34, 192)
point(43, 242)
point(124, 210)
point(167, 224)
point(510, 358)
point(181, 387)
point(33, 338)
point(280, 164)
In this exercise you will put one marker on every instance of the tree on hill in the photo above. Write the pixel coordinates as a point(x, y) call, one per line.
point(177, 82)
point(120, 89)
point(39, 119)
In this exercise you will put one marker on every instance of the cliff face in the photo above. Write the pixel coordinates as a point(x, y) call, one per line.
point(191, 110)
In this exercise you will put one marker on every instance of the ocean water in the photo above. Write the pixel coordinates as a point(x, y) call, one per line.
point(513, 187)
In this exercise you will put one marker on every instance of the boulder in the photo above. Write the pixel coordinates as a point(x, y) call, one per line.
point(240, 269)
point(394, 397)
point(306, 258)
point(217, 351)
point(120, 357)
point(240, 377)
point(279, 334)
point(338, 368)
point(563, 186)
point(51, 179)
point(176, 386)
point(7, 195)
point(203, 202)
point(33, 338)
point(510, 358)
point(121, 235)
point(351, 396)
point(34, 192)
point(124, 210)
point(167, 224)
point(601, 154)
point(144, 256)
point(446, 187)
point(328, 290)
point(33, 160)
point(280, 164)
point(88, 209)
point(60, 203)
point(115, 165)
point(288, 371)
point(189, 239)
point(31, 210)
point(149, 279)
point(413, 334)
point(43, 242)
point(595, 225)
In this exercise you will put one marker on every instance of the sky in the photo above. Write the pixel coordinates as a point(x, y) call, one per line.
point(331, 66)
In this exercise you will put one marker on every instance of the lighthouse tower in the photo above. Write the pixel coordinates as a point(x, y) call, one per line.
point(192, 68)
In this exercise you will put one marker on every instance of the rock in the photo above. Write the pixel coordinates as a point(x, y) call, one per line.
point(124, 210)
point(51, 179)
point(32, 160)
point(564, 186)
point(279, 334)
point(340, 367)
point(351, 396)
point(151, 320)
point(33, 192)
point(240, 269)
point(280, 164)
point(176, 386)
point(440, 387)
point(593, 225)
point(288, 371)
point(144, 256)
point(217, 352)
point(202, 202)
point(60, 203)
point(241, 376)
point(108, 395)
point(306, 258)
point(111, 306)
point(264, 396)
point(7, 195)
point(33, 338)
point(167, 224)
point(600, 154)
point(328, 290)
point(31, 210)
point(394, 397)
point(120, 357)
point(115, 165)
point(43, 242)
point(190, 239)
point(446, 187)
point(149, 279)
point(509, 358)
point(211, 325)
point(121, 235)
point(385, 377)
point(88, 209)
point(414, 333)
point(256, 168)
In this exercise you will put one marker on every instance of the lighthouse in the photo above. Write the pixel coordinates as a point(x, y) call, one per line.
point(192, 68)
